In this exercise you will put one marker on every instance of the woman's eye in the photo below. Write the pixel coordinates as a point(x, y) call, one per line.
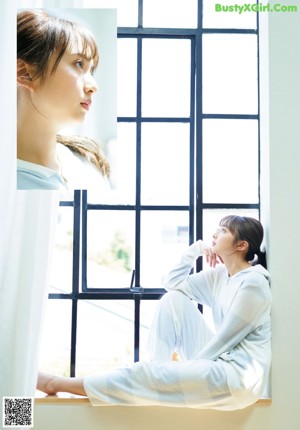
point(80, 64)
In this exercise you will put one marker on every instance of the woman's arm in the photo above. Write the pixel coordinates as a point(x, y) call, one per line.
point(196, 286)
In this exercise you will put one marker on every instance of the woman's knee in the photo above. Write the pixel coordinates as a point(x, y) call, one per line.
point(175, 300)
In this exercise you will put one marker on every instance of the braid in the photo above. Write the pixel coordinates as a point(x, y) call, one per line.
point(87, 148)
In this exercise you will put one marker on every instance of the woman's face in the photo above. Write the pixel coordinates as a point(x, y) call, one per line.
point(223, 243)
point(65, 96)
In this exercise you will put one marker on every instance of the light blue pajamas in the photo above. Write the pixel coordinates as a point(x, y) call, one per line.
point(224, 370)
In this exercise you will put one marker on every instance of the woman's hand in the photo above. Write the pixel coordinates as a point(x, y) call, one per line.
point(211, 258)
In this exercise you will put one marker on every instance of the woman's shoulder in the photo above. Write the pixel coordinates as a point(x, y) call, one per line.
point(31, 176)
point(257, 279)
point(258, 274)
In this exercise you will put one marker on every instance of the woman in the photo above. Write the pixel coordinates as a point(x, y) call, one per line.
point(226, 369)
point(56, 60)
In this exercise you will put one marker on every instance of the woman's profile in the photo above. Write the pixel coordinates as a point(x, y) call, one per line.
point(224, 369)
point(56, 60)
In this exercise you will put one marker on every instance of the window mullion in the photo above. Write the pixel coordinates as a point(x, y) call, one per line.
point(75, 281)
point(192, 144)
point(138, 165)
point(137, 317)
point(73, 336)
point(199, 142)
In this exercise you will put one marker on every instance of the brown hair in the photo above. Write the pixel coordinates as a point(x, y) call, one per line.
point(41, 36)
point(250, 230)
point(89, 149)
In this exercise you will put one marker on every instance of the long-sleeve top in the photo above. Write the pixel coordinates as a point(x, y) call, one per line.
point(241, 307)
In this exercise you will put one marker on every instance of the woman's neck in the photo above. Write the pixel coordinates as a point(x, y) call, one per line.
point(234, 266)
point(36, 140)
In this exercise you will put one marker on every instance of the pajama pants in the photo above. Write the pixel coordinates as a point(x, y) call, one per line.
point(177, 326)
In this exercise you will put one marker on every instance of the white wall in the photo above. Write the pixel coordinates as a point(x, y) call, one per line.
point(284, 216)
point(283, 242)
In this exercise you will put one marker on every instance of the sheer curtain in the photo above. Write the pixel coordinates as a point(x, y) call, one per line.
point(27, 223)
point(29, 220)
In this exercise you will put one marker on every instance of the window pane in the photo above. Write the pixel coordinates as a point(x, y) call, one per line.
point(127, 10)
point(122, 158)
point(60, 280)
point(56, 339)
point(110, 248)
point(165, 163)
point(170, 13)
point(230, 161)
point(166, 78)
point(66, 195)
point(230, 73)
point(164, 235)
point(104, 335)
point(127, 69)
point(225, 18)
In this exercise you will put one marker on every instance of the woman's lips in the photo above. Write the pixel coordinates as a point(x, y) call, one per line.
point(86, 104)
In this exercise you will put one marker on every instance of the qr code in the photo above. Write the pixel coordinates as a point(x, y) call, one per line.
point(17, 412)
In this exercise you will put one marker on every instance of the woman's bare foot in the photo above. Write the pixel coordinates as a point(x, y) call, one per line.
point(47, 383)
point(51, 384)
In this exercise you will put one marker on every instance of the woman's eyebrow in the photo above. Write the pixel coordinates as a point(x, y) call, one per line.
point(80, 54)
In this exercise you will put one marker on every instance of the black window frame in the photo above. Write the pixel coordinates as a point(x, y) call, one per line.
point(81, 207)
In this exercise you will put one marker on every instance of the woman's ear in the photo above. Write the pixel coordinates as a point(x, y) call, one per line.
point(24, 75)
point(242, 245)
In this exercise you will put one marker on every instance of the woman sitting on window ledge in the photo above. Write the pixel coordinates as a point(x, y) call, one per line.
point(225, 370)
point(56, 60)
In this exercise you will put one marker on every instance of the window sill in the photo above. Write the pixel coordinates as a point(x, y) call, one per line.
point(61, 399)
point(69, 398)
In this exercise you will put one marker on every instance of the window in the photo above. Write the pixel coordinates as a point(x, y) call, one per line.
point(187, 153)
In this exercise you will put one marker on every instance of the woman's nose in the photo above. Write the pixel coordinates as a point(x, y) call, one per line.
point(215, 235)
point(91, 84)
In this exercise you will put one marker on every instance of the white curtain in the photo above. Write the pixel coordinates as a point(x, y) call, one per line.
point(27, 223)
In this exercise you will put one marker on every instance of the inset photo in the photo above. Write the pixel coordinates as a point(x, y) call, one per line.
point(66, 98)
